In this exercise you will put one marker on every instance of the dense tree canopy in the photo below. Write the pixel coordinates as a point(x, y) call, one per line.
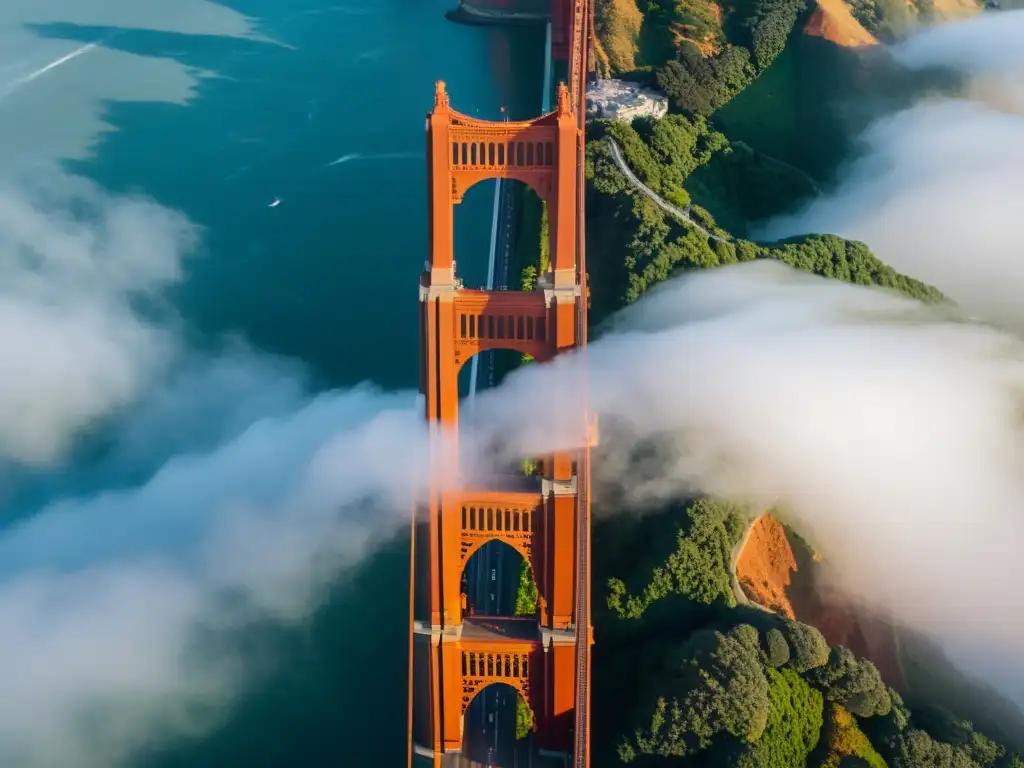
point(699, 680)
point(844, 744)
point(701, 54)
point(746, 688)
point(807, 647)
point(794, 724)
point(751, 689)
point(526, 591)
point(699, 567)
point(634, 244)
point(698, 85)
point(769, 25)
point(853, 683)
point(714, 683)
point(777, 649)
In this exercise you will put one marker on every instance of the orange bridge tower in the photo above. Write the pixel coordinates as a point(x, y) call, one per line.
point(454, 655)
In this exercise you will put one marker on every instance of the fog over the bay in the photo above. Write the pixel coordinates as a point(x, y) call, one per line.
point(939, 189)
point(887, 430)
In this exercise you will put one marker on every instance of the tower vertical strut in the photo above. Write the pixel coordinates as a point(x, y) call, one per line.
point(454, 656)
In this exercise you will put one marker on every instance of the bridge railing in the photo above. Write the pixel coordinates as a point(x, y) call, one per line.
point(578, 74)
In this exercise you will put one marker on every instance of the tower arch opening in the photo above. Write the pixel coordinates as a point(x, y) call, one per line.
point(485, 459)
point(544, 656)
point(471, 238)
point(531, 254)
point(498, 581)
point(497, 714)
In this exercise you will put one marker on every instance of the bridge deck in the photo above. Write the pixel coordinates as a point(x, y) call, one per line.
point(578, 16)
point(499, 628)
point(521, 759)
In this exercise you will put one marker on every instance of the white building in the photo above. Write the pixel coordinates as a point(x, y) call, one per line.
point(623, 100)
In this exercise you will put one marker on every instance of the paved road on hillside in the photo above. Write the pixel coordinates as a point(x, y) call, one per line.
point(680, 213)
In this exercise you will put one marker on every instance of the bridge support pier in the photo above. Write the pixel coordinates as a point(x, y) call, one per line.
point(459, 666)
point(542, 657)
point(557, 576)
point(557, 701)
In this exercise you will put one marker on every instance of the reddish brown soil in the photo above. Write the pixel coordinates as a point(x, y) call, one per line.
point(681, 34)
point(769, 573)
point(684, 33)
point(765, 564)
point(833, 21)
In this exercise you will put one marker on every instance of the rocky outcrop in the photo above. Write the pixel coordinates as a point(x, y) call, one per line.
point(623, 100)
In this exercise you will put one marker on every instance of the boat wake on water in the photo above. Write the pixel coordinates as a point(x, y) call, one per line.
point(8, 88)
point(353, 156)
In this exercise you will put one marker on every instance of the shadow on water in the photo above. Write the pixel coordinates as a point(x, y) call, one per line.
point(336, 699)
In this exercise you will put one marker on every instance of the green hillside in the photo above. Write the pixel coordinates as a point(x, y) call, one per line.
point(683, 676)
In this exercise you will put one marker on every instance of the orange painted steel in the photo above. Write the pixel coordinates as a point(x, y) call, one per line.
point(468, 521)
point(501, 320)
point(469, 666)
point(580, 65)
point(561, 29)
point(548, 662)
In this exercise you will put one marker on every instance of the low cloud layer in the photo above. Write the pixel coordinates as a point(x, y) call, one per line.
point(119, 610)
point(890, 433)
point(212, 493)
point(939, 190)
point(887, 430)
point(81, 275)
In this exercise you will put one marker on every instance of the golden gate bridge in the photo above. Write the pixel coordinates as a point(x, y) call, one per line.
point(545, 658)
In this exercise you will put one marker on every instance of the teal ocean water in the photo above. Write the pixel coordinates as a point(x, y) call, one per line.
point(292, 135)
point(330, 122)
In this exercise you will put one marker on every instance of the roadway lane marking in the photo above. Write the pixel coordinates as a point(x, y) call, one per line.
point(474, 366)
